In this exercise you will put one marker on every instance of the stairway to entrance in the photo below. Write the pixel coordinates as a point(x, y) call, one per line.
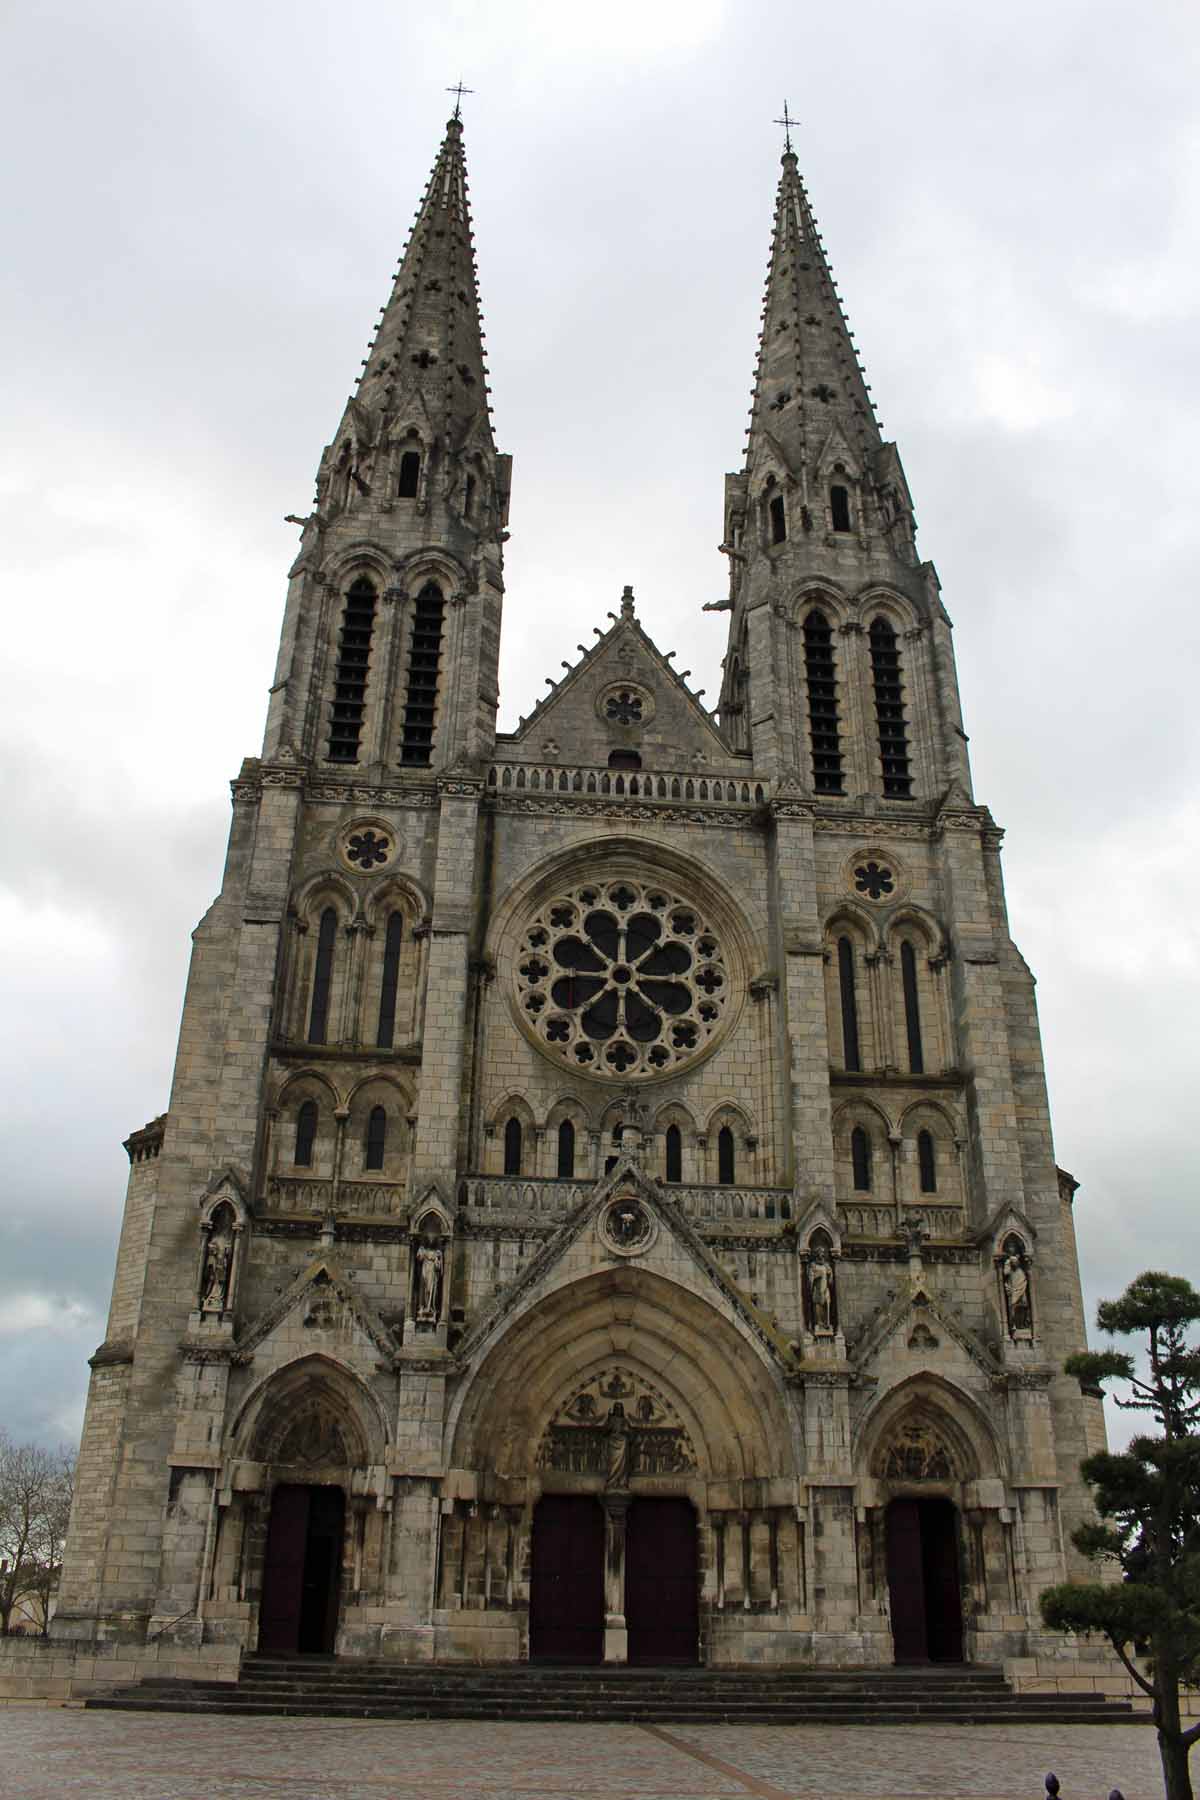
point(386, 1690)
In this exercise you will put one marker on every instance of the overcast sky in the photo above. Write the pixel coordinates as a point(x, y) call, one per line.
point(207, 201)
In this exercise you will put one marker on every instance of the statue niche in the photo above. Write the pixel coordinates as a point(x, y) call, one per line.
point(216, 1267)
point(429, 1272)
point(1013, 1263)
point(820, 1287)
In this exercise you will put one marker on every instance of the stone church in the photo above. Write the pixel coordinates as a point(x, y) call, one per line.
point(606, 1209)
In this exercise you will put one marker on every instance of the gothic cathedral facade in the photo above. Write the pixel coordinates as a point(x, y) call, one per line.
point(606, 1209)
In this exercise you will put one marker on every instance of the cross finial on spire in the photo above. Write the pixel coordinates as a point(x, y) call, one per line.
point(787, 122)
point(458, 90)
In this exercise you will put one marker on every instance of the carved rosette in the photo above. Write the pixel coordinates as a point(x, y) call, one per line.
point(626, 1227)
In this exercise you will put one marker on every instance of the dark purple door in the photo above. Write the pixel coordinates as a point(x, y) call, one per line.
point(662, 1602)
point(302, 1570)
point(283, 1570)
point(566, 1597)
point(922, 1556)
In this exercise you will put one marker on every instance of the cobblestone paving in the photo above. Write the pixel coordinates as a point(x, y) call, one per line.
point(54, 1753)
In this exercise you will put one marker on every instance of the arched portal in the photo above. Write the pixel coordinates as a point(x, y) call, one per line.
point(621, 1404)
point(925, 1443)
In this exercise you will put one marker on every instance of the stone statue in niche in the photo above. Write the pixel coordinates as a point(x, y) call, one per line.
point(821, 1293)
point(1014, 1277)
point(218, 1267)
point(430, 1263)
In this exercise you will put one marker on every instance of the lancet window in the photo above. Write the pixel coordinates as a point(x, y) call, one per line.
point(513, 1147)
point(566, 1150)
point(927, 1162)
point(839, 507)
point(376, 1138)
point(851, 1054)
point(912, 1008)
point(673, 1154)
point(424, 660)
point(726, 1158)
point(860, 1159)
point(410, 475)
point(350, 678)
point(306, 1134)
point(889, 711)
point(822, 704)
point(318, 1017)
point(393, 939)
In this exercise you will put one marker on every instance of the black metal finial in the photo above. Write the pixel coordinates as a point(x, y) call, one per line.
point(458, 90)
point(787, 122)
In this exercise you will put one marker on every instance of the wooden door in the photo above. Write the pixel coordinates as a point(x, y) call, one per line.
point(943, 1595)
point(566, 1597)
point(662, 1602)
point(906, 1581)
point(322, 1570)
point(283, 1570)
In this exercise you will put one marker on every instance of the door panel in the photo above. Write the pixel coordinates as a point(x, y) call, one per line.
point(662, 1606)
point(283, 1570)
point(322, 1570)
point(566, 1598)
point(906, 1581)
point(943, 1598)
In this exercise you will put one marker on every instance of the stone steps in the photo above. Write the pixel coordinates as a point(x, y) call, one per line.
point(295, 1686)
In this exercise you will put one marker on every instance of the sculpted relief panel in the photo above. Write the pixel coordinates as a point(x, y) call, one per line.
point(617, 1425)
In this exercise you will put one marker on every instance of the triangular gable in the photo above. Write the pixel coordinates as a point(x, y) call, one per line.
point(900, 1320)
point(627, 1176)
point(680, 724)
point(837, 448)
point(322, 1272)
point(770, 452)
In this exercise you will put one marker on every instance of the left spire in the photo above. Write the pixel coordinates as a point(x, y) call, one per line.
point(424, 372)
point(429, 339)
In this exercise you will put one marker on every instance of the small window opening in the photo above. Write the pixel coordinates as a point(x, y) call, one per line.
point(778, 519)
point(512, 1147)
point(839, 507)
point(306, 1134)
point(912, 1008)
point(376, 1137)
point(624, 759)
point(424, 658)
point(469, 497)
point(725, 1157)
point(566, 1150)
point(822, 704)
point(927, 1162)
point(674, 1153)
point(860, 1159)
point(410, 475)
point(851, 1058)
point(391, 976)
point(889, 711)
point(350, 677)
point(318, 1018)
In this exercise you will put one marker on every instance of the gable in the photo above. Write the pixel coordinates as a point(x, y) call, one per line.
point(622, 699)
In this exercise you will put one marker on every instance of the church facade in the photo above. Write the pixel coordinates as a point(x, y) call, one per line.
point(606, 1209)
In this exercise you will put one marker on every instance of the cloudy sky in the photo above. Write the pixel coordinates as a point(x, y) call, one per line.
point(206, 202)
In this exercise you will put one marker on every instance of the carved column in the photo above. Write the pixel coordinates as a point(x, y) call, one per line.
point(616, 1635)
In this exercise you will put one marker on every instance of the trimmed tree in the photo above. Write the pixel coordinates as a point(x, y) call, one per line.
point(1146, 1539)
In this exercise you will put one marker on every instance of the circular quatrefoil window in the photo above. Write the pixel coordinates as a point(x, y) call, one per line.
point(622, 979)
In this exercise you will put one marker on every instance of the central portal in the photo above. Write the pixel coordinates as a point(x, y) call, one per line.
point(662, 1602)
point(922, 1558)
point(302, 1570)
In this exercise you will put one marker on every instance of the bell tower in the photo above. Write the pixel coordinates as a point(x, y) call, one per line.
point(391, 634)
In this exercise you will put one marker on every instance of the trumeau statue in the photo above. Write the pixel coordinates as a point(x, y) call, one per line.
point(1015, 1277)
point(820, 1287)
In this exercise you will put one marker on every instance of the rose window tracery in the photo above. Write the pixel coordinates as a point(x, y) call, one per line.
point(622, 978)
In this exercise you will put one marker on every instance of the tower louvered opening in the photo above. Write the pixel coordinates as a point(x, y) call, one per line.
point(350, 681)
point(822, 704)
point(889, 711)
point(424, 659)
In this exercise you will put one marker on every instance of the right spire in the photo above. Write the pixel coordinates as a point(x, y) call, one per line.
point(808, 381)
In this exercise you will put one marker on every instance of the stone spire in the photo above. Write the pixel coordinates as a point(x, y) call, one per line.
point(808, 379)
point(429, 340)
point(424, 376)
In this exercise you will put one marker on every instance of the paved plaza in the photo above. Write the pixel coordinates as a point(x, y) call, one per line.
point(53, 1753)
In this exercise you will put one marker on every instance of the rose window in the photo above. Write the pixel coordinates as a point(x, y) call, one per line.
point(622, 979)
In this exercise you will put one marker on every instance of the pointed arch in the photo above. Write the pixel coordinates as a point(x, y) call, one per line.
point(948, 1411)
point(261, 1421)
